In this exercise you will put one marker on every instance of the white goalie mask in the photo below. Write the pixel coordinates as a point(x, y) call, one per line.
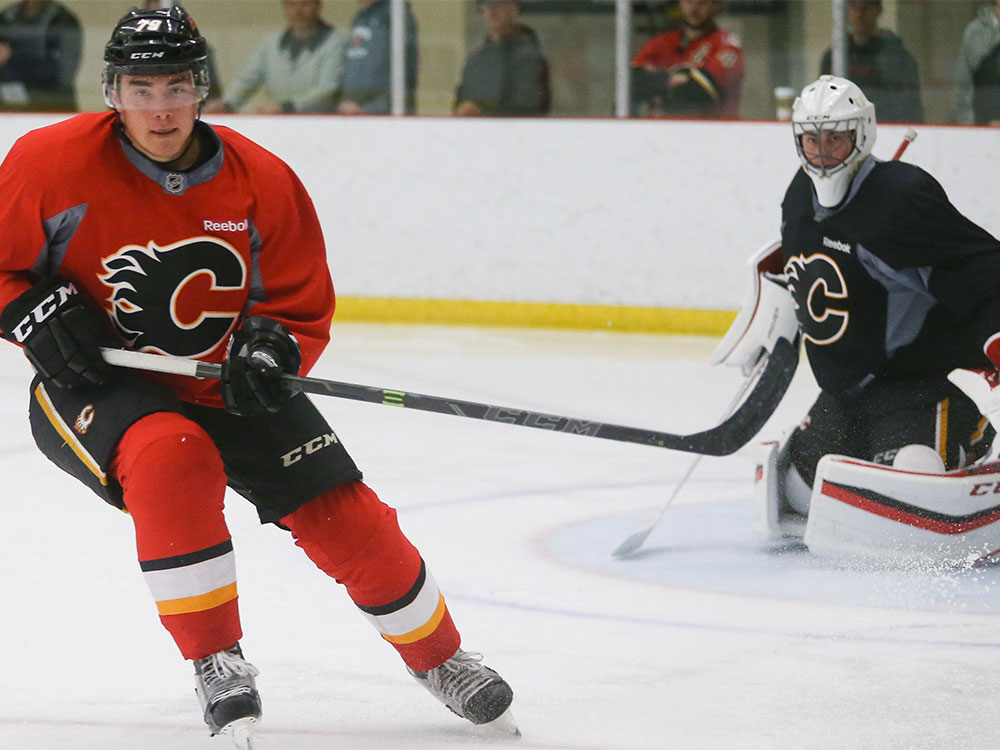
point(832, 105)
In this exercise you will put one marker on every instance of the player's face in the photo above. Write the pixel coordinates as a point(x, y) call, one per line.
point(828, 148)
point(159, 113)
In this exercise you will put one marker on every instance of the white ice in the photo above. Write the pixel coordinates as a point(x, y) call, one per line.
point(706, 639)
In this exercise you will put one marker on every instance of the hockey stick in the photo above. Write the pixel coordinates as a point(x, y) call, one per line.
point(633, 542)
point(721, 440)
point(908, 137)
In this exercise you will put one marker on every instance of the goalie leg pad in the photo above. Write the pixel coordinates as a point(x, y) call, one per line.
point(775, 517)
point(880, 513)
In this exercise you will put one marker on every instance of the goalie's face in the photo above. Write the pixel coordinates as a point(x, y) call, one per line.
point(828, 148)
point(158, 112)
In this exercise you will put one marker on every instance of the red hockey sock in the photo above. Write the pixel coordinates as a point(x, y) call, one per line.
point(174, 486)
point(353, 537)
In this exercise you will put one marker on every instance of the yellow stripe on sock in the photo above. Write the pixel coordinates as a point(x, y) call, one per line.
point(197, 603)
point(424, 630)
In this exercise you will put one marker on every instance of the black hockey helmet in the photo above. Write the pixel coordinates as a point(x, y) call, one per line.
point(155, 41)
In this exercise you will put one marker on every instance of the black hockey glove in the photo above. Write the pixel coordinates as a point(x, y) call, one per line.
point(260, 351)
point(60, 333)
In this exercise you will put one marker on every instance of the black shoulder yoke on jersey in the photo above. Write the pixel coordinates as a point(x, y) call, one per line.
point(893, 282)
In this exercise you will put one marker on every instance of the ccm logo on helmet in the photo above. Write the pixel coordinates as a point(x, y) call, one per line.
point(43, 310)
point(146, 55)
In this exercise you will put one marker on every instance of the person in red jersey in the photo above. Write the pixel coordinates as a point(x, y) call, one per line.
point(695, 70)
point(147, 228)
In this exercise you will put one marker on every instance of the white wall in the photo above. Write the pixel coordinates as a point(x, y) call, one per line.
point(636, 213)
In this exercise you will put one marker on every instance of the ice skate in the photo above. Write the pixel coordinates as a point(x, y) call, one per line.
point(471, 690)
point(225, 686)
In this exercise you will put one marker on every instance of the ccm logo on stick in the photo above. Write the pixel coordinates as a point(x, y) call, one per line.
point(317, 443)
point(43, 310)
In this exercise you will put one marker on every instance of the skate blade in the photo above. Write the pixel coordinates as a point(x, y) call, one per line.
point(505, 724)
point(241, 732)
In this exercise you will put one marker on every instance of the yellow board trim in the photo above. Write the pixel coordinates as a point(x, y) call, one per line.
point(197, 603)
point(424, 630)
point(534, 315)
point(42, 396)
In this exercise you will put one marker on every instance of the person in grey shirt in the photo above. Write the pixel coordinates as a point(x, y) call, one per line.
point(977, 71)
point(298, 69)
point(507, 75)
point(366, 86)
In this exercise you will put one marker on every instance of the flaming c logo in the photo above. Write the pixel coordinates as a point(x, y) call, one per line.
point(182, 299)
point(816, 284)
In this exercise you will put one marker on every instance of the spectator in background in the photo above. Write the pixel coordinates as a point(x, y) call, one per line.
point(695, 70)
point(508, 74)
point(40, 43)
point(297, 69)
point(367, 69)
point(214, 80)
point(977, 73)
point(878, 62)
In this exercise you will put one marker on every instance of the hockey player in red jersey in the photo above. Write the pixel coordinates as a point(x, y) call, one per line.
point(695, 70)
point(147, 228)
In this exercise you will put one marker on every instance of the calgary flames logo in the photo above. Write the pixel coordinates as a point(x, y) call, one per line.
point(182, 299)
point(825, 324)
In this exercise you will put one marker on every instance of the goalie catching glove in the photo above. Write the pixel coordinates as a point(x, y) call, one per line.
point(260, 351)
point(60, 334)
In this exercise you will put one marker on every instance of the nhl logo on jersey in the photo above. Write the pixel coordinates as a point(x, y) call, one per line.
point(174, 183)
point(84, 419)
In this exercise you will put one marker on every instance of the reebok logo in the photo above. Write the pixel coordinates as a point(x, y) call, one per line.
point(225, 226)
point(836, 245)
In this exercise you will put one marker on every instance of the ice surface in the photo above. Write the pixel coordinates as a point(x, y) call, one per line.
point(705, 639)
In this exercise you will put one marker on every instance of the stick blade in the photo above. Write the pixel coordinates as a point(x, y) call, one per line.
point(632, 544)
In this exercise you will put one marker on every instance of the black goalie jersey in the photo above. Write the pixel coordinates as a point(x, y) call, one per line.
point(893, 283)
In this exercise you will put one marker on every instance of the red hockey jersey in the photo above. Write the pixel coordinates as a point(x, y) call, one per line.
point(175, 259)
point(718, 54)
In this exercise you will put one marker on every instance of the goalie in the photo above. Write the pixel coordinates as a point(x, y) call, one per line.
point(892, 289)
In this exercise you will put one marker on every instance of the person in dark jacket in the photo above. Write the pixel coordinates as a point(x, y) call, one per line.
point(40, 44)
point(878, 62)
point(507, 75)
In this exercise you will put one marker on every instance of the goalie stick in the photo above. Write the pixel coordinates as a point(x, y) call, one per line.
point(723, 439)
point(633, 542)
